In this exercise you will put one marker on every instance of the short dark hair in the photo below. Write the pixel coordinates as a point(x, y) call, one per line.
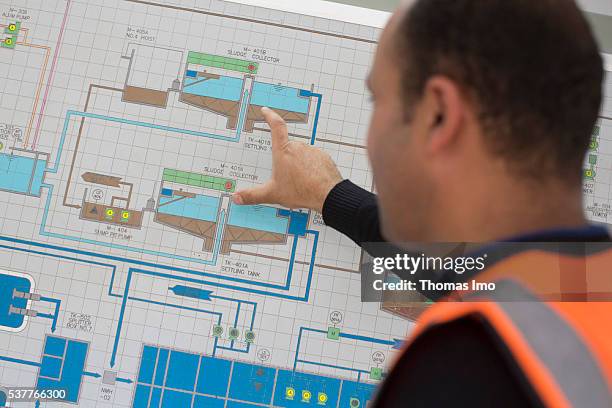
point(532, 69)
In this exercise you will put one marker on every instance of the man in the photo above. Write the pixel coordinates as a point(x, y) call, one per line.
point(483, 111)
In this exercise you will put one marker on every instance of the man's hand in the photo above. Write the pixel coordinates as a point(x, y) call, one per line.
point(302, 175)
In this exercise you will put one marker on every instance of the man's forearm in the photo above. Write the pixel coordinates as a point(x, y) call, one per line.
point(353, 211)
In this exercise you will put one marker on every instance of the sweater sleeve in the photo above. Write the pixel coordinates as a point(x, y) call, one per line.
point(353, 211)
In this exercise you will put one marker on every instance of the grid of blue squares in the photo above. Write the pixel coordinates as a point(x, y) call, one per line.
point(171, 378)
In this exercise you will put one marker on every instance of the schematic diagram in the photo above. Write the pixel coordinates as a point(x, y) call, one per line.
point(129, 277)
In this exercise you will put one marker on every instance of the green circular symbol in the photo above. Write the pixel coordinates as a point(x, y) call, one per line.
point(218, 330)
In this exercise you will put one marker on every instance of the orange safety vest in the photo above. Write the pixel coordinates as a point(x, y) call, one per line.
point(564, 348)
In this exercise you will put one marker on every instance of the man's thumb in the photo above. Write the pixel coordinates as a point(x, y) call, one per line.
point(256, 195)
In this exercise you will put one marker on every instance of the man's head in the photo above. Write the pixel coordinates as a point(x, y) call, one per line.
point(472, 94)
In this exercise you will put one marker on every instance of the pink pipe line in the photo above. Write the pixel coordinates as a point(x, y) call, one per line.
point(50, 81)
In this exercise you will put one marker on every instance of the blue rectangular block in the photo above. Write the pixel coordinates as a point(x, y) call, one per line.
point(298, 221)
point(234, 404)
point(74, 364)
point(167, 192)
point(252, 383)
point(155, 397)
point(191, 74)
point(54, 346)
point(51, 367)
point(147, 364)
point(141, 396)
point(182, 369)
point(214, 376)
point(208, 402)
point(162, 361)
point(176, 399)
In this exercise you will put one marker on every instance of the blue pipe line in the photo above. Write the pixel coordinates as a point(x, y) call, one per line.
point(191, 309)
point(333, 366)
point(210, 297)
point(56, 256)
point(192, 280)
point(305, 92)
point(297, 349)
point(57, 304)
point(215, 346)
point(368, 339)
point(122, 312)
point(165, 267)
point(248, 302)
point(20, 361)
point(314, 330)
point(235, 323)
point(248, 346)
point(343, 335)
point(292, 258)
point(120, 322)
point(234, 349)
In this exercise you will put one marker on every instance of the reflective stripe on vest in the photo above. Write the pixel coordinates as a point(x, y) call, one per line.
point(552, 356)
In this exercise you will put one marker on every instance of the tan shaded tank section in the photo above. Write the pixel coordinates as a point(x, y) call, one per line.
point(202, 229)
point(240, 235)
point(254, 115)
point(102, 213)
point(145, 96)
point(222, 107)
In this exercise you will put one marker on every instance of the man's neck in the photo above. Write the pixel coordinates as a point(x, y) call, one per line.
point(521, 209)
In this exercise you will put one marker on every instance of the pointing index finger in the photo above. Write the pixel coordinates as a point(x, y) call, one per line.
point(278, 128)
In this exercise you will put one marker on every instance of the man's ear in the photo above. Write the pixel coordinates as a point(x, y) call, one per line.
point(445, 111)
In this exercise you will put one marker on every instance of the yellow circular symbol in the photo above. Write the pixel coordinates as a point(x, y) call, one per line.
point(110, 212)
point(289, 392)
point(125, 215)
point(322, 397)
point(306, 395)
point(8, 41)
point(12, 27)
